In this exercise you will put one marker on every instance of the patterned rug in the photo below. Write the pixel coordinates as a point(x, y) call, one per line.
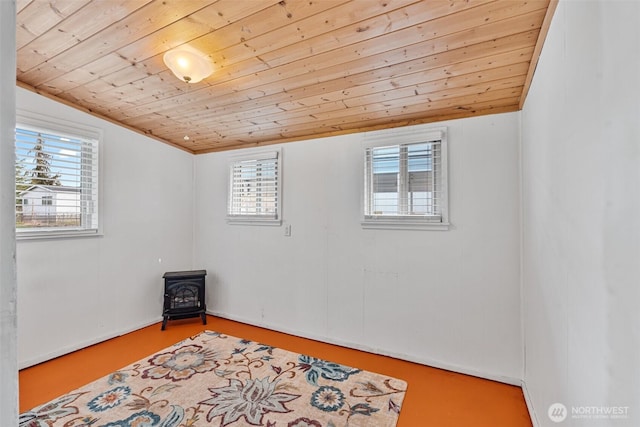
point(212, 379)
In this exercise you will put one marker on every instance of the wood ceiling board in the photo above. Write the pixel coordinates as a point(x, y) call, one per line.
point(76, 29)
point(303, 122)
point(21, 4)
point(121, 32)
point(407, 120)
point(284, 70)
point(446, 71)
point(340, 108)
point(115, 68)
point(317, 34)
point(216, 39)
point(370, 54)
point(423, 77)
point(425, 55)
point(213, 18)
point(326, 77)
point(41, 17)
point(357, 115)
point(149, 50)
point(88, 77)
point(375, 85)
point(467, 84)
point(281, 24)
point(415, 112)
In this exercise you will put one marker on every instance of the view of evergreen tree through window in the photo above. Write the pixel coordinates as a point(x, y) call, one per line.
point(56, 181)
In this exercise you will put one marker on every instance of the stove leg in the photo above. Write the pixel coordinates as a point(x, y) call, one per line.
point(164, 323)
point(204, 318)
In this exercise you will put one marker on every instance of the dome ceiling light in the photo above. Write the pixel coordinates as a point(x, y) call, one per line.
point(188, 64)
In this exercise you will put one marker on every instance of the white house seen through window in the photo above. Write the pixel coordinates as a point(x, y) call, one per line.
point(406, 182)
point(56, 188)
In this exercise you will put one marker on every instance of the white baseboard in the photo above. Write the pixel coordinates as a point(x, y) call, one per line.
point(409, 358)
point(529, 403)
point(83, 344)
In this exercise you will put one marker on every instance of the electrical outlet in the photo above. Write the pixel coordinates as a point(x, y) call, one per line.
point(287, 230)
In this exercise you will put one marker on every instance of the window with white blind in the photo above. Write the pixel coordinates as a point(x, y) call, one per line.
point(255, 189)
point(57, 181)
point(406, 179)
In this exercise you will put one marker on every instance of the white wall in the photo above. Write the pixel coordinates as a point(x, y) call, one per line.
point(445, 298)
point(581, 227)
point(8, 318)
point(74, 292)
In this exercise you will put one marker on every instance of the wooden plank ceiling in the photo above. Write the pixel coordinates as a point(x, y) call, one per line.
point(284, 70)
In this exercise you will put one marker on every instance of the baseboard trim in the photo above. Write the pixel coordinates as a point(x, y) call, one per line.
point(409, 358)
point(527, 400)
point(79, 346)
point(423, 361)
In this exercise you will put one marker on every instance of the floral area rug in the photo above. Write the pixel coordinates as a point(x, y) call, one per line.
point(212, 379)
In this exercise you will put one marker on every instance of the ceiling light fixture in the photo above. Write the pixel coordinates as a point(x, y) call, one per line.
point(188, 64)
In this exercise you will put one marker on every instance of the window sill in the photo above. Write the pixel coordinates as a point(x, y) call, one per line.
point(403, 224)
point(253, 221)
point(56, 234)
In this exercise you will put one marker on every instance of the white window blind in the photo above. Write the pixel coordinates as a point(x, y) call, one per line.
point(405, 182)
point(254, 188)
point(56, 189)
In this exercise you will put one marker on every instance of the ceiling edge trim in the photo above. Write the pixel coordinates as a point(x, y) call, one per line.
point(544, 29)
point(99, 116)
point(408, 122)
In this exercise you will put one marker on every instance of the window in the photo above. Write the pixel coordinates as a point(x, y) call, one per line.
point(254, 189)
point(56, 178)
point(405, 181)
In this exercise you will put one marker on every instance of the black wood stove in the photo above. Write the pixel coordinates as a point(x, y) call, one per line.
point(184, 296)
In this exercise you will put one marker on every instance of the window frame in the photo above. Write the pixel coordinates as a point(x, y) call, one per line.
point(248, 219)
point(41, 123)
point(402, 137)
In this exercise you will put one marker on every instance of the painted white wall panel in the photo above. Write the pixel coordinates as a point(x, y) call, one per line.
point(447, 298)
point(73, 292)
point(8, 291)
point(581, 204)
